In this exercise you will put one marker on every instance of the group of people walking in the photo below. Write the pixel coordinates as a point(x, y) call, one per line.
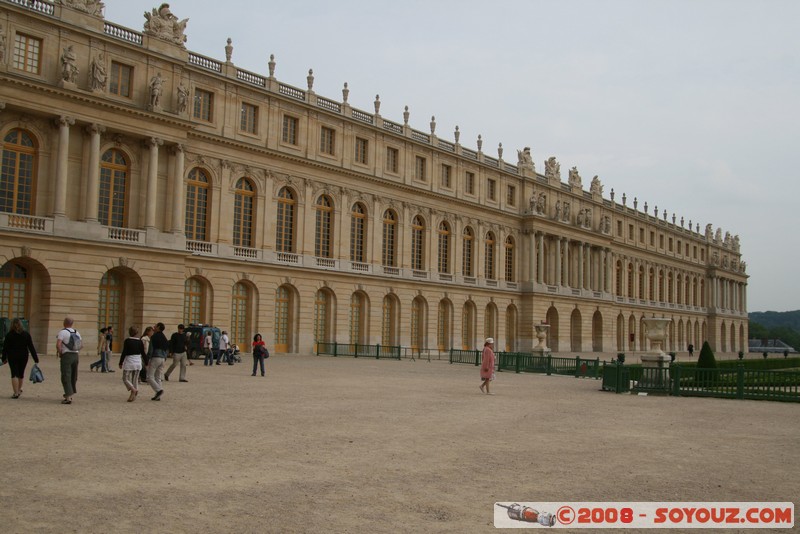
point(141, 361)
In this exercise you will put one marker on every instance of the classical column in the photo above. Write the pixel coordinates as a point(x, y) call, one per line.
point(580, 280)
point(178, 194)
point(93, 184)
point(152, 181)
point(62, 166)
point(540, 258)
point(532, 257)
point(557, 280)
point(587, 266)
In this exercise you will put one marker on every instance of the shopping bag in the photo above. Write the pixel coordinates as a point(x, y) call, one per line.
point(36, 374)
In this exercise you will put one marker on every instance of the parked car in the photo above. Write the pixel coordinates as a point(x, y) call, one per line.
point(195, 334)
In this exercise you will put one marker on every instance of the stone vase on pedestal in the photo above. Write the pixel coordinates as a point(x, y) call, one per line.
point(541, 334)
point(656, 333)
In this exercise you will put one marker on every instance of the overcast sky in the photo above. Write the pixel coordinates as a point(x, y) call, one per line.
point(689, 105)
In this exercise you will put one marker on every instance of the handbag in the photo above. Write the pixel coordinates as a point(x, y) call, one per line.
point(36, 374)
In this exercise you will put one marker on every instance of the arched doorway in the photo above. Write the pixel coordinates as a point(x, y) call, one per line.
point(120, 303)
point(419, 319)
point(324, 323)
point(511, 328)
point(575, 331)
point(597, 331)
point(389, 321)
point(468, 318)
point(285, 318)
point(443, 325)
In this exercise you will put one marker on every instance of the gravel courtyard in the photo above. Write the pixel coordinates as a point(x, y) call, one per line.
point(326, 444)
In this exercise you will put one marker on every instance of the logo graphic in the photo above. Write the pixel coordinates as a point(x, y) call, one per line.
point(526, 514)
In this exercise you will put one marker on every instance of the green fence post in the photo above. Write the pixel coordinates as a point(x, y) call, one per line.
point(517, 358)
point(740, 381)
point(549, 363)
point(597, 368)
point(377, 351)
point(477, 358)
point(577, 366)
point(335, 349)
point(618, 381)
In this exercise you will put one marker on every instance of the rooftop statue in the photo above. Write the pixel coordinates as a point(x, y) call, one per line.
point(163, 24)
point(552, 169)
point(524, 158)
point(92, 7)
point(575, 178)
point(596, 188)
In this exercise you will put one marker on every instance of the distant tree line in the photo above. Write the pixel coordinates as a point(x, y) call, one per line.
point(776, 325)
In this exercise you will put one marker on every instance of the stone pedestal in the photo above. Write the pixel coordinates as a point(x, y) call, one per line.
point(655, 367)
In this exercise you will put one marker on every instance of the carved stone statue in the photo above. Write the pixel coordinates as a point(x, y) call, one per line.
point(575, 178)
point(725, 262)
point(565, 212)
point(709, 231)
point(558, 210)
point(524, 158)
point(718, 236)
point(715, 259)
point(552, 169)
point(183, 97)
point(92, 7)
point(69, 68)
point(541, 204)
point(99, 73)
point(156, 88)
point(581, 215)
point(727, 241)
point(736, 243)
point(585, 218)
point(163, 24)
point(596, 188)
point(606, 226)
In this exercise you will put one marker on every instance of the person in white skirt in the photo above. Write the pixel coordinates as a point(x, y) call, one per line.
point(131, 359)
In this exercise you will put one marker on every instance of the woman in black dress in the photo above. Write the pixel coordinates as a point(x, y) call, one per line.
point(16, 346)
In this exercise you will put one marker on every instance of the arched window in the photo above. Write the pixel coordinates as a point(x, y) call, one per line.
point(109, 309)
point(322, 319)
point(17, 175)
point(418, 244)
point(509, 259)
point(323, 234)
point(489, 256)
point(389, 248)
point(468, 326)
point(240, 306)
point(357, 317)
point(193, 301)
point(14, 291)
point(444, 247)
point(467, 255)
point(389, 321)
point(283, 319)
point(358, 232)
point(197, 205)
point(243, 213)
point(114, 172)
point(443, 325)
point(284, 227)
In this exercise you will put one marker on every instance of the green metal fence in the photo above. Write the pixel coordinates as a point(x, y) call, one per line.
point(739, 383)
point(360, 351)
point(472, 357)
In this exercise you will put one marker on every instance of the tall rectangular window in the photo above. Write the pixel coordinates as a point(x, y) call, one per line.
point(469, 183)
point(249, 118)
point(447, 173)
point(392, 160)
point(27, 52)
point(491, 189)
point(121, 76)
point(327, 138)
point(420, 171)
point(203, 103)
point(362, 145)
point(290, 129)
point(511, 195)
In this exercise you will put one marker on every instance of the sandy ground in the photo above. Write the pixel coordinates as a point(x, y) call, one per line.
point(328, 444)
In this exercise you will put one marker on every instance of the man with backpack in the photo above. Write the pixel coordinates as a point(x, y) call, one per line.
point(68, 346)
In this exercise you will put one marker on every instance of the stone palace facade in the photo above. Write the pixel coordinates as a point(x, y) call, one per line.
point(142, 182)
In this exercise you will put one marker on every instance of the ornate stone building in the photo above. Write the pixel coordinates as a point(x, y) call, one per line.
point(142, 182)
